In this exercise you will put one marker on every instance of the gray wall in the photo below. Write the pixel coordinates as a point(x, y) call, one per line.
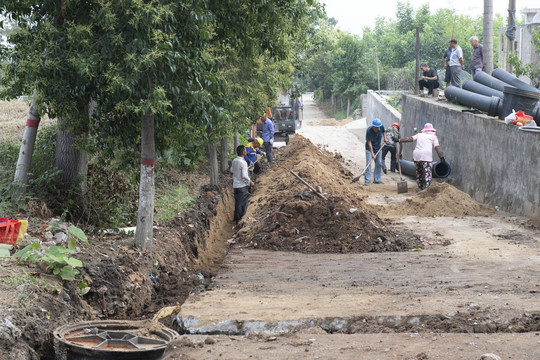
point(494, 163)
point(378, 108)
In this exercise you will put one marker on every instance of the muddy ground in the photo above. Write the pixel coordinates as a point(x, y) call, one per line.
point(469, 289)
point(365, 274)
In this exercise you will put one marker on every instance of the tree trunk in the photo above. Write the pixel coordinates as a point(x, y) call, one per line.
point(236, 141)
point(488, 36)
point(378, 75)
point(509, 41)
point(417, 69)
point(27, 146)
point(332, 100)
point(224, 155)
point(348, 106)
point(214, 171)
point(71, 161)
point(341, 102)
point(144, 234)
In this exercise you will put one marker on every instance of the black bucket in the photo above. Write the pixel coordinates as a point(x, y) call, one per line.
point(519, 99)
point(441, 169)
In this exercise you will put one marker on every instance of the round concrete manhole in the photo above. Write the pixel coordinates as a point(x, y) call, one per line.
point(118, 340)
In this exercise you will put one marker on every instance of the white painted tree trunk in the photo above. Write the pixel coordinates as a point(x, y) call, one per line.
point(27, 145)
point(488, 36)
point(70, 160)
point(144, 234)
point(348, 106)
point(214, 171)
point(224, 155)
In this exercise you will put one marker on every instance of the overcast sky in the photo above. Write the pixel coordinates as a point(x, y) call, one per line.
point(353, 15)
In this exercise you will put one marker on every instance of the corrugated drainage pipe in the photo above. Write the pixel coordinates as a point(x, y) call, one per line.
point(512, 80)
point(492, 105)
point(440, 170)
point(489, 81)
point(476, 87)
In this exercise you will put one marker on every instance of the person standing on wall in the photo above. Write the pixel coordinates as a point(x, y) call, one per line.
point(446, 62)
point(390, 147)
point(268, 137)
point(430, 80)
point(241, 183)
point(456, 62)
point(423, 154)
point(374, 135)
point(477, 58)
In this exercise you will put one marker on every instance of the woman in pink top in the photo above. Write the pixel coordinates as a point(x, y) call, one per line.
point(422, 154)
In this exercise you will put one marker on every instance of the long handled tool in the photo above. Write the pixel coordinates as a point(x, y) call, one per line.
point(402, 185)
point(367, 166)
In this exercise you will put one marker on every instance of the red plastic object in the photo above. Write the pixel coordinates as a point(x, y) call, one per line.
point(9, 231)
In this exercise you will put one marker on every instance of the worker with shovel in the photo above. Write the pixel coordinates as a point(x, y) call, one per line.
point(422, 154)
point(252, 150)
point(374, 134)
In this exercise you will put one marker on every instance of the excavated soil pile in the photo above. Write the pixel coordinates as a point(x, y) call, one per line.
point(284, 215)
point(440, 199)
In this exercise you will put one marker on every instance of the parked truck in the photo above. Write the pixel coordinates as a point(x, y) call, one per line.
point(287, 116)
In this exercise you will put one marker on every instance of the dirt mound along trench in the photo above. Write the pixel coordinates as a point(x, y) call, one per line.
point(284, 215)
point(125, 283)
point(440, 199)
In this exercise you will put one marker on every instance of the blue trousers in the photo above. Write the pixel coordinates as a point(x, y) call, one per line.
point(378, 167)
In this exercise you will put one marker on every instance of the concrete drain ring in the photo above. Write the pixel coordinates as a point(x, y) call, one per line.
point(118, 340)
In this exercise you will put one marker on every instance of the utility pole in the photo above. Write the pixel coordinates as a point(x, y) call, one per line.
point(488, 36)
point(510, 32)
point(378, 76)
point(417, 71)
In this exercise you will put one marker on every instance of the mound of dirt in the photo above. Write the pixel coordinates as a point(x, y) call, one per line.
point(285, 215)
point(440, 199)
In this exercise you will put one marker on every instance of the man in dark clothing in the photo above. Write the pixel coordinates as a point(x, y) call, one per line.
point(430, 80)
point(446, 62)
point(241, 183)
point(374, 136)
point(477, 58)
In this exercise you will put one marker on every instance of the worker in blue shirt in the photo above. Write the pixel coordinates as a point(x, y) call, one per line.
point(374, 136)
point(252, 149)
point(268, 137)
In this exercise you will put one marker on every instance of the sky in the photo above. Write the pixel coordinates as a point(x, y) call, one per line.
point(353, 15)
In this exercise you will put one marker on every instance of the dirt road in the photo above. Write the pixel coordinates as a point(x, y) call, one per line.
point(472, 288)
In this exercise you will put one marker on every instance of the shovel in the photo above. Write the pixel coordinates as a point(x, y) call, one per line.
point(367, 166)
point(402, 185)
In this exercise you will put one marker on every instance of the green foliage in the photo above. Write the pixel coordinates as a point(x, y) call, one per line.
point(171, 200)
point(57, 257)
point(531, 70)
point(328, 73)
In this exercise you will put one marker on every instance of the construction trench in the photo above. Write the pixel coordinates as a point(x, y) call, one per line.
point(367, 273)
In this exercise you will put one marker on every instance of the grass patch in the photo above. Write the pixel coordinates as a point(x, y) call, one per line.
point(171, 200)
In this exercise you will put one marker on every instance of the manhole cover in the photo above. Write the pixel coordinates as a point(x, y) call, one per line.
point(118, 340)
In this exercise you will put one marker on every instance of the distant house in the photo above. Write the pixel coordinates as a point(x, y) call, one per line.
point(522, 42)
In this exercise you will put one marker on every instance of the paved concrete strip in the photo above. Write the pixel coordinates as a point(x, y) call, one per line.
point(270, 290)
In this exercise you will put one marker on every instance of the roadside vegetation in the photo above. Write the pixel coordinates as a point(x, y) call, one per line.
point(342, 66)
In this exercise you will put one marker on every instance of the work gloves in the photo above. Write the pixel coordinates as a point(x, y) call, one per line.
point(395, 139)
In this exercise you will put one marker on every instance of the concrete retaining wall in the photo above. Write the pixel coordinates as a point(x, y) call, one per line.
point(494, 163)
point(377, 107)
